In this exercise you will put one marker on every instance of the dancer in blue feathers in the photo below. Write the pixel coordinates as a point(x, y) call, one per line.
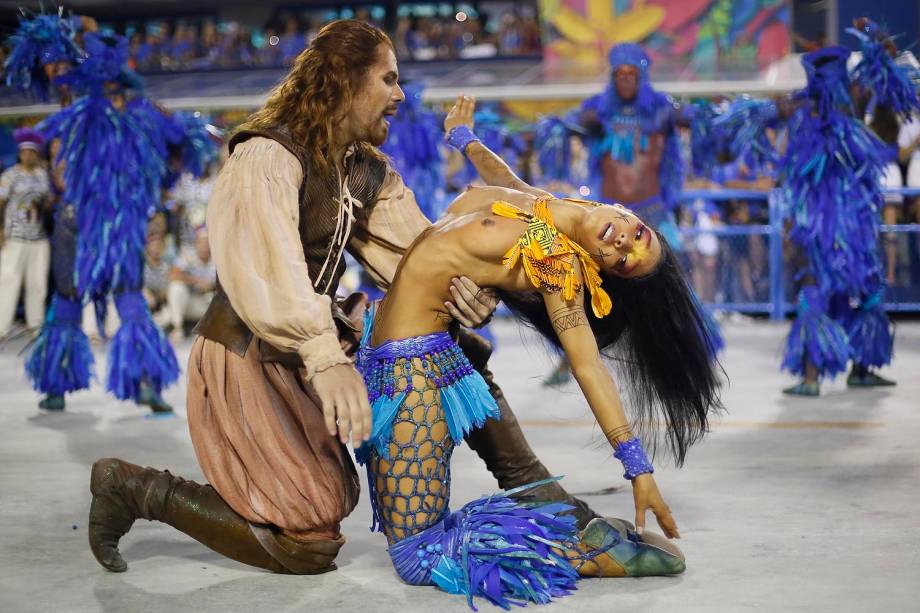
point(107, 141)
point(635, 157)
point(833, 168)
point(101, 138)
point(632, 137)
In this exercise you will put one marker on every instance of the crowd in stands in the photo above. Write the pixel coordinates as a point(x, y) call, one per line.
point(160, 45)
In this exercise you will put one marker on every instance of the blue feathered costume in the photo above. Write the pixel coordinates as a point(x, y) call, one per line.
point(833, 170)
point(113, 154)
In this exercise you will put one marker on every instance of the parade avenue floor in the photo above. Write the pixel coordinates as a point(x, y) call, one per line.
point(788, 505)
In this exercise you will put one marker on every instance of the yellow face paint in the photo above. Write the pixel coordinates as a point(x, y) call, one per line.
point(640, 250)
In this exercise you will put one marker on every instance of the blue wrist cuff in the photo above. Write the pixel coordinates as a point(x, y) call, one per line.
point(633, 457)
point(460, 137)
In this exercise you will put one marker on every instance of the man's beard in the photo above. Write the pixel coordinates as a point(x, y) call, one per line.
point(377, 134)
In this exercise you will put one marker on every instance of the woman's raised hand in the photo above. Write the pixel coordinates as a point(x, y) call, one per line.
point(461, 114)
point(647, 496)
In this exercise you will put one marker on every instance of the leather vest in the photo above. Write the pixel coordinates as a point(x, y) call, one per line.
point(320, 200)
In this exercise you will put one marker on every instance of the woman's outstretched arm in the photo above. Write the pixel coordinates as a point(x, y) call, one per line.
point(570, 323)
point(491, 168)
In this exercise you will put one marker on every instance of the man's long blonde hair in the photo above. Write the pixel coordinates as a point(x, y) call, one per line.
point(315, 96)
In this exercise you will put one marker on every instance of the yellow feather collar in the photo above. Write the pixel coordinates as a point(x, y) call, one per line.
point(547, 256)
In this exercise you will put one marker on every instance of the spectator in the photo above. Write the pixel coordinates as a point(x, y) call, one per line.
point(884, 123)
point(156, 277)
point(909, 154)
point(184, 47)
point(510, 38)
point(292, 42)
point(148, 52)
point(25, 255)
point(139, 52)
point(191, 285)
point(191, 203)
point(210, 45)
point(746, 253)
point(705, 249)
point(401, 37)
point(530, 35)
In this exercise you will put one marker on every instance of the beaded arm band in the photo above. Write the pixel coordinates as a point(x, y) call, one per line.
point(633, 457)
point(460, 137)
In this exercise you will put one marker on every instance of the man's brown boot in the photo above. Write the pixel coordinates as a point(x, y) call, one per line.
point(123, 492)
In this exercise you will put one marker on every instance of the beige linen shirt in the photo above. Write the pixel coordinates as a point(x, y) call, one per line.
point(252, 220)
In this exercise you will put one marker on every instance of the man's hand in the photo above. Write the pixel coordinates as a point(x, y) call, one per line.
point(472, 305)
point(343, 397)
point(646, 496)
point(461, 114)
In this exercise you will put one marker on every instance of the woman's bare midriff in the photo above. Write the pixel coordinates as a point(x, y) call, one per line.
point(468, 241)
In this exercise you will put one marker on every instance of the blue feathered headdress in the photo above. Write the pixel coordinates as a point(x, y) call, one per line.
point(743, 126)
point(39, 40)
point(106, 61)
point(630, 54)
point(828, 80)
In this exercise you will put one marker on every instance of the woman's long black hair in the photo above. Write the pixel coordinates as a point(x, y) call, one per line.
point(665, 347)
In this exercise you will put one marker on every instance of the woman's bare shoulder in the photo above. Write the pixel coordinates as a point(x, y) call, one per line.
point(477, 199)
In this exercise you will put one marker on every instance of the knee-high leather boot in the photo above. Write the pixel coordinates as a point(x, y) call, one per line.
point(123, 492)
point(502, 446)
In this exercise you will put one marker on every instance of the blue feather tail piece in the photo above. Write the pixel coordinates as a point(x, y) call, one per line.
point(888, 83)
point(869, 331)
point(139, 352)
point(493, 548)
point(815, 337)
point(743, 126)
point(61, 361)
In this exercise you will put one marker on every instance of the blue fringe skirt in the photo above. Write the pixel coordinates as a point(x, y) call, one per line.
point(425, 397)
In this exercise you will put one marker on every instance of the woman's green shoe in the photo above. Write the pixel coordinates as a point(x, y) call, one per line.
point(648, 555)
point(868, 379)
point(51, 403)
point(810, 390)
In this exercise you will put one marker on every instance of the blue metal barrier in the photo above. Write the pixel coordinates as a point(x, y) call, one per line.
point(776, 304)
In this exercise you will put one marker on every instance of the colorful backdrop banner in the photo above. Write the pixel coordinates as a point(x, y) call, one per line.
point(685, 38)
